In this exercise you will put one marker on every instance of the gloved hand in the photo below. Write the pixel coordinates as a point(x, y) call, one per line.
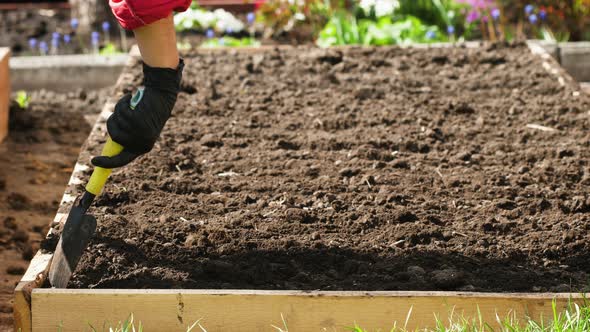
point(137, 128)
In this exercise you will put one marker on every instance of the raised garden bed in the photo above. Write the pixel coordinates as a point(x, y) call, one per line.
point(81, 70)
point(379, 171)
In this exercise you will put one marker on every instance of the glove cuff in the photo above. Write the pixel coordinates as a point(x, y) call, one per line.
point(165, 79)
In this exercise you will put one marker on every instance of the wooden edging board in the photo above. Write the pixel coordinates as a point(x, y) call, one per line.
point(4, 91)
point(244, 310)
point(43, 309)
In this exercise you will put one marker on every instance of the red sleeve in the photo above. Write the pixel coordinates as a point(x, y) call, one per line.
point(133, 14)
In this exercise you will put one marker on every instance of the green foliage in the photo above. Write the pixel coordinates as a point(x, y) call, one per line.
point(126, 326)
point(441, 13)
point(230, 42)
point(22, 99)
point(314, 17)
point(567, 20)
point(129, 326)
point(109, 49)
point(299, 17)
point(347, 30)
point(284, 328)
point(575, 319)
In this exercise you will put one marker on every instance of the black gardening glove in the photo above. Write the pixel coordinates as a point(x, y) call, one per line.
point(137, 128)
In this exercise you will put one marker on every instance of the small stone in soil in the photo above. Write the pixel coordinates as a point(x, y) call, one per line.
point(563, 288)
point(462, 108)
point(20, 236)
point(448, 279)
point(286, 145)
point(406, 216)
point(348, 172)
point(15, 270)
point(543, 204)
point(401, 164)
point(298, 215)
point(10, 223)
point(28, 252)
point(416, 270)
point(5, 308)
point(506, 204)
point(17, 201)
point(211, 141)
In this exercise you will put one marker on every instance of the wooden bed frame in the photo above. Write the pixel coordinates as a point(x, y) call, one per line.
point(42, 309)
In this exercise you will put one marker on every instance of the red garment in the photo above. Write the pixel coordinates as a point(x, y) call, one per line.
point(133, 14)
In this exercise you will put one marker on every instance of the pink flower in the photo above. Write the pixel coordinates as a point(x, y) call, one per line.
point(472, 16)
point(479, 4)
point(479, 9)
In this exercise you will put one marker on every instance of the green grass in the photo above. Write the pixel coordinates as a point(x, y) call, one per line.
point(22, 99)
point(129, 326)
point(575, 319)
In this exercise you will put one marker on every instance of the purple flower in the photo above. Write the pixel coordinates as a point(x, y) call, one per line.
point(74, 23)
point(210, 33)
point(533, 19)
point(496, 14)
point(472, 16)
point(54, 43)
point(451, 30)
point(32, 43)
point(55, 36)
point(95, 38)
point(67, 38)
point(106, 26)
point(430, 34)
point(229, 31)
point(43, 47)
point(543, 14)
point(528, 9)
point(251, 17)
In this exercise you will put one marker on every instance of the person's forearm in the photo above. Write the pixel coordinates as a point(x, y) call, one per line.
point(157, 43)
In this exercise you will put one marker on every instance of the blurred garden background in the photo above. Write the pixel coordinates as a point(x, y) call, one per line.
point(87, 26)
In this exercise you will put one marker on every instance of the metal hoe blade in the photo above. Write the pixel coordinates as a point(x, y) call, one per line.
point(78, 230)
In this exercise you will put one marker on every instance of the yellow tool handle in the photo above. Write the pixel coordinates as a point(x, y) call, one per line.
point(100, 175)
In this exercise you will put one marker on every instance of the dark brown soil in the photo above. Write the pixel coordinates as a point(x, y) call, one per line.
point(368, 169)
point(36, 161)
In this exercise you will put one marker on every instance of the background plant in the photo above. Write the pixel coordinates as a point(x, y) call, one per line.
point(228, 41)
point(199, 19)
point(298, 19)
point(554, 20)
point(391, 22)
point(22, 99)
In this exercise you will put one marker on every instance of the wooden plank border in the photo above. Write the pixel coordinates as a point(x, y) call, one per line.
point(4, 91)
point(245, 310)
point(42, 309)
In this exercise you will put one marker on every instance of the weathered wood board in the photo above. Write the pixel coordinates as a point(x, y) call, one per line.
point(240, 310)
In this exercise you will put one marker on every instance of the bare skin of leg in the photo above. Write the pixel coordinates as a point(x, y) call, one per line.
point(157, 43)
